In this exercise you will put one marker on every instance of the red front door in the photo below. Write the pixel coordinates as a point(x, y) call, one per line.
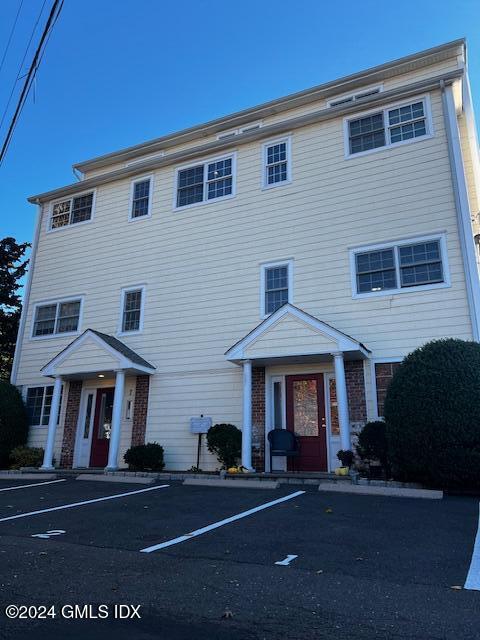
point(102, 424)
point(306, 418)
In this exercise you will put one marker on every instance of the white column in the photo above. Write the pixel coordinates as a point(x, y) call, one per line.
point(247, 415)
point(342, 400)
point(116, 421)
point(52, 425)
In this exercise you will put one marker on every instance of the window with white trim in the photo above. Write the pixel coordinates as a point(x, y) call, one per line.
point(276, 286)
point(72, 211)
point(276, 162)
point(141, 198)
point(400, 266)
point(132, 308)
point(61, 317)
point(204, 182)
point(388, 127)
point(39, 402)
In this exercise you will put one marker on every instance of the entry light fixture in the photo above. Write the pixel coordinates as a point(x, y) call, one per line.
point(100, 375)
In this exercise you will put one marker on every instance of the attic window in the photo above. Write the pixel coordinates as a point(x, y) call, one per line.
point(336, 102)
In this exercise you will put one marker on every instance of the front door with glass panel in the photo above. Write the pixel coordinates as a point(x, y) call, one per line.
point(305, 400)
point(102, 425)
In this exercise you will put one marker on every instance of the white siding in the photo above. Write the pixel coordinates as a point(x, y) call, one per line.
point(201, 266)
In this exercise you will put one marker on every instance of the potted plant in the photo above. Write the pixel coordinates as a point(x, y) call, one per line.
point(346, 458)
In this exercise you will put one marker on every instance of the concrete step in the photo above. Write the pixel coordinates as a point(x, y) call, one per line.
point(18, 475)
point(231, 484)
point(125, 479)
point(394, 492)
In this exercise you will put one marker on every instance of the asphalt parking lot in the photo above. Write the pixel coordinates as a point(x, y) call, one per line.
point(209, 562)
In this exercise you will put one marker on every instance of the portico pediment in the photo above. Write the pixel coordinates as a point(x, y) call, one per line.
point(290, 332)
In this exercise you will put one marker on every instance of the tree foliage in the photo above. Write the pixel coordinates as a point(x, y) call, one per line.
point(432, 413)
point(13, 267)
point(13, 421)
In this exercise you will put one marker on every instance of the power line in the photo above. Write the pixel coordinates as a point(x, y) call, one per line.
point(52, 18)
point(21, 64)
point(11, 35)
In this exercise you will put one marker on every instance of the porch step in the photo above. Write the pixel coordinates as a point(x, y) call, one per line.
point(231, 484)
point(110, 478)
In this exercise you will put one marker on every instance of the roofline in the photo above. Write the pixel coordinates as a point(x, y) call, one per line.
point(434, 82)
point(277, 105)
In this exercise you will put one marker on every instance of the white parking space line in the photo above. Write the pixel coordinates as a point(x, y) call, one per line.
point(35, 484)
point(220, 523)
point(473, 577)
point(287, 561)
point(80, 504)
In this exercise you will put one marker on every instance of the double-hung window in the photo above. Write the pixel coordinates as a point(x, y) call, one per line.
point(276, 286)
point(132, 309)
point(141, 198)
point(400, 267)
point(388, 127)
point(72, 210)
point(38, 404)
point(205, 182)
point(276, 161)
point(57, 318)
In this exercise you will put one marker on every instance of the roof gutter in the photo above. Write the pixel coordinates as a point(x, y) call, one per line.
point(290, 124)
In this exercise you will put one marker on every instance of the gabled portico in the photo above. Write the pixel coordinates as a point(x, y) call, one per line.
point(92, 356)
point(291, 336)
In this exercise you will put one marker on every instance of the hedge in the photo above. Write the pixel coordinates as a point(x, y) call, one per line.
point(13, 421)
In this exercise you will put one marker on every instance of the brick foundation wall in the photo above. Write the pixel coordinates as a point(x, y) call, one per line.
point(258, 418)
point(140, 409)
point(70, 426)
point(357, 404)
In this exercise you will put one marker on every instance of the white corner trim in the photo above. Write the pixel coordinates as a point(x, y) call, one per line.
point(133, 182)
point(441, 237)
point(58, 301)
point(462, 207)
point(26, 297)
point(71, 197)
point(385, 109)
point(125, 290)
point(205, 163)
point(289, 263)
point(288, 140)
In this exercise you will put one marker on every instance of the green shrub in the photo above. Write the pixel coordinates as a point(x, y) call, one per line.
point(432, 413)
point(346, 457)
point(13, 421)
point(26, 457)
point(372, 443)
point(145, 457)
point(225, 441)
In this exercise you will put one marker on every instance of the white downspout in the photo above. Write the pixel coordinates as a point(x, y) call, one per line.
point(26, 297)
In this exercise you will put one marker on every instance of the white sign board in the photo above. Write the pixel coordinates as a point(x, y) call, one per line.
point(200, 425)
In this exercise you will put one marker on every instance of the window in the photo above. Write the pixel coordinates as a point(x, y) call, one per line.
point(132, 309)
point(140, 198)
point(57, 318)
point(72, 211)
point(400, 267)
point(276, 286)
point(39, 402)
point(276, 163)
point(388, 127)
point(204, 182)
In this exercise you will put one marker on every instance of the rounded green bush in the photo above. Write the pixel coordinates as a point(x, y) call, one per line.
point(432, 413)
point(225, 441)
point(26, 457)
point(145, 457)
point(13, 421)
point(372, 442)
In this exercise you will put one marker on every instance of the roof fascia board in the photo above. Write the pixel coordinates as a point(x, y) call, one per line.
point(263, 132)
point(346, 83)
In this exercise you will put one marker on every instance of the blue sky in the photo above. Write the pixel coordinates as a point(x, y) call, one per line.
point(118, 72)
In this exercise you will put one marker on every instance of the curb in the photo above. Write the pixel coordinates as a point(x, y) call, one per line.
point(393, 492)
point(232, 484)
point(123, 479)
point(27, 476)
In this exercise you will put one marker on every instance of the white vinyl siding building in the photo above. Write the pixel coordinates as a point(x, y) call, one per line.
point(203, 252)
